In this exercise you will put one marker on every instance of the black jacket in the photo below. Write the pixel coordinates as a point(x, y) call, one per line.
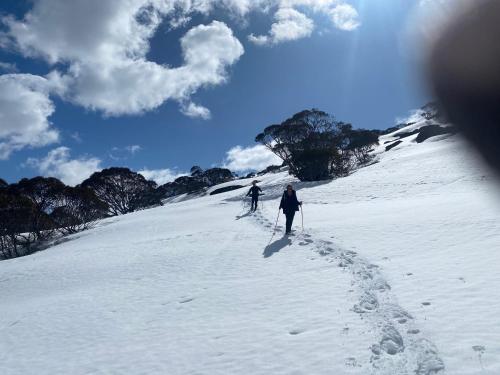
point(254, 191)
point(289, 203)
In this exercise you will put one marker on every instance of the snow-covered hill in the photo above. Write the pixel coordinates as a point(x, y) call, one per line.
point(396, 272)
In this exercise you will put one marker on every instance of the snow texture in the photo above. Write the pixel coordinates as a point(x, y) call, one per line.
point(396, 272)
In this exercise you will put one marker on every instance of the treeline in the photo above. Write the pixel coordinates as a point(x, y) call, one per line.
point(35, 210)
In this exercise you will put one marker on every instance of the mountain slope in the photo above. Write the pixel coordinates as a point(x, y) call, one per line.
point(395, 273)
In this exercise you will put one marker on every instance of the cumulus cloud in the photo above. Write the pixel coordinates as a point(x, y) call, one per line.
point(134, 86)
point(253, 158)
point(196, 111)
point(105, 45)
point(345, 17)
point(24, 111)
point(290, 25)
point(161, 176)
point(58, 163)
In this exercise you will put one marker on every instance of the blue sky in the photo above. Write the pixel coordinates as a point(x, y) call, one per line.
point(101, 99)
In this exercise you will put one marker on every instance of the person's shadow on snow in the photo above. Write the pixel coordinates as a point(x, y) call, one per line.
point(276, 246)
point(239, 217)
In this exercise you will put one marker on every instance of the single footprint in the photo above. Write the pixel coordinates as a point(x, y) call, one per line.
point(392, 342)
point(479, 349)
point(351, 362)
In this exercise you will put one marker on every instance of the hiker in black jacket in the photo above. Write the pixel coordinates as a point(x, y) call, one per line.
point(254, 192)
point(290, 204)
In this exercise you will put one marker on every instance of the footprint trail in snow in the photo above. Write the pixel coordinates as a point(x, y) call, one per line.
point(402, 348)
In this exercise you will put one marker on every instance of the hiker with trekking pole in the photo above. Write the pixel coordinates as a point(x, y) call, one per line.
point(254, 192)
point(290, 204)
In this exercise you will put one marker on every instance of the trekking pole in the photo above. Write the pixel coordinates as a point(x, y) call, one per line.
point(275, 226)
point(302, 214)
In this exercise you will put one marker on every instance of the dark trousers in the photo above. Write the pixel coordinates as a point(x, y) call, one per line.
point(289, 221)
point(254, 203)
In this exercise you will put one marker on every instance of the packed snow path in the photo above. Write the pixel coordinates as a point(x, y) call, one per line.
point(396, 273)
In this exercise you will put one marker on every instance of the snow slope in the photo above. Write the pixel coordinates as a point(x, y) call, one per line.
point(396, 272)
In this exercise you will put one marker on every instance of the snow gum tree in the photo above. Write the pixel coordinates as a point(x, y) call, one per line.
point(315, 146)
point(122, 190)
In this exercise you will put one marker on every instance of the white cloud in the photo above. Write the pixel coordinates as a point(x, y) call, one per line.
point(290, 25)
point(414, 116)
point(105, 45)
point(196, 111)
point(345, 17)
point(24, 111)
point(135, 86)
point(58, 163)
point(8, 67)
point(161, 176)
point(253, 158)
point(123, 153)
point(76, 137)
point(133, 149)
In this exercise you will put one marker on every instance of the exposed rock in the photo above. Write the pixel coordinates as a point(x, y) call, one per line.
point(392, 145)
point(429, 131)
point(226, 189)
